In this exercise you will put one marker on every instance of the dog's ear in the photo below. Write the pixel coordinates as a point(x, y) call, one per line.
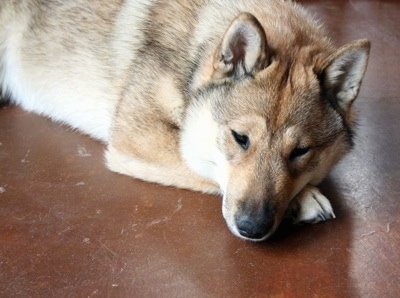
point(243, 50)
point(343, 72)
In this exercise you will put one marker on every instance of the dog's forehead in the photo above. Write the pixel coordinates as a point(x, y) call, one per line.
point(282, 95)
point(278, 92)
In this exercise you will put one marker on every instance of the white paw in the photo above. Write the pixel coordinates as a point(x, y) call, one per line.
point(311, 206)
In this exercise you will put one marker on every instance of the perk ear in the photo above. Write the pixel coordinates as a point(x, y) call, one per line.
point(243, 50)
point(343, 72)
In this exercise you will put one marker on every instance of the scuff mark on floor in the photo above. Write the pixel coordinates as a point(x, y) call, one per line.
point(82, 152)
point(24, 160)
point(166, 217)
point(366, 235)
point(388, 227)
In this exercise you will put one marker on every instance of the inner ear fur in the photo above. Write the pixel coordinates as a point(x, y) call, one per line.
point(343, 72)
point(243, 50)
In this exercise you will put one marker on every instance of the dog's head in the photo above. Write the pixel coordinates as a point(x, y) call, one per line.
point(268, 122)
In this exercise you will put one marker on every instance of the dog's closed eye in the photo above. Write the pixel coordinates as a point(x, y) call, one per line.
point(298, 152)
point(242, 139)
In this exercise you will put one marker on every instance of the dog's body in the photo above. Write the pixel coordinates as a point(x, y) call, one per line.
point(248, 99)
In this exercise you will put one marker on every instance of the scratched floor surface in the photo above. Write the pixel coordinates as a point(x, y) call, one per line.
point(71, 228)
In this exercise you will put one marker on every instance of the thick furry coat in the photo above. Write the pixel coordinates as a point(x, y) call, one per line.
point(248, 99)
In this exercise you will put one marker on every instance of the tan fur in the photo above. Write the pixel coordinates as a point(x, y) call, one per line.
point(248, 99)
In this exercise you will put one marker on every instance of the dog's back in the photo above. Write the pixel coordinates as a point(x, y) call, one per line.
point(56, 60)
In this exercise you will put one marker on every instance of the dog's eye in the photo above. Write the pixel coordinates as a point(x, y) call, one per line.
point(242, 140)
point(298, 152)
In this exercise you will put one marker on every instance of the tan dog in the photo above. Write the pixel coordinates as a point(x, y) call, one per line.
point(247, 99)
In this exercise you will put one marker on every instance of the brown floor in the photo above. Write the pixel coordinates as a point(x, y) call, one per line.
point(71, 228)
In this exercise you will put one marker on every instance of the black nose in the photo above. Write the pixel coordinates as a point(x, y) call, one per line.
point(253, 229)
point(255, 224)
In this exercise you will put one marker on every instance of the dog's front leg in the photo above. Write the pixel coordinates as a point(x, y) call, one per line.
point(176, 174)
point(146, 146)
point(310, 206)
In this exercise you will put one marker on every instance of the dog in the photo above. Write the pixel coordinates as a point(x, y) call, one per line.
point(246, 99)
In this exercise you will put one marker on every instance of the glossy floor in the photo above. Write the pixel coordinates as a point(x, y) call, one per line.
point(71, 228)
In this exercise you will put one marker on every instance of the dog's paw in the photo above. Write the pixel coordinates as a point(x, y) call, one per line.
point(310, 206)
